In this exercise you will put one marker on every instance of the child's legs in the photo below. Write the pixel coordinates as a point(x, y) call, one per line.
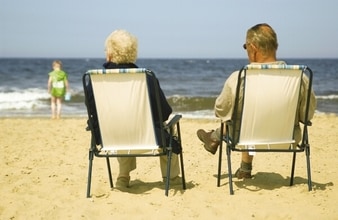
point(53, 106)
point(58, 107)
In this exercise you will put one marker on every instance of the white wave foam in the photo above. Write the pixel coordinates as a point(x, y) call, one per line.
point(206, 114)
point(32, 98)
point(328, 97)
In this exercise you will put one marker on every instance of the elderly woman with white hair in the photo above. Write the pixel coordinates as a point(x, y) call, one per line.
point(121, 52)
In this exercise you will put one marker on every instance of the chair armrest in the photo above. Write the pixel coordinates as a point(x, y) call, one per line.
point(308, 123)
point(173, 121)
point(228, 122)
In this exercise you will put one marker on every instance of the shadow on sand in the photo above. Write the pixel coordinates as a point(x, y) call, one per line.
point(270, 181)
point(140, 187)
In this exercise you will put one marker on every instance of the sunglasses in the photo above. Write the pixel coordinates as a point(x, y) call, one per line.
point(244, 46)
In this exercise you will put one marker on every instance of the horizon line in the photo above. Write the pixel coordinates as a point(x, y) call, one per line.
point(158, 58)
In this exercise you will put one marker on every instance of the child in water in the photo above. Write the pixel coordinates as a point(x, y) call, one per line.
point(57, 86)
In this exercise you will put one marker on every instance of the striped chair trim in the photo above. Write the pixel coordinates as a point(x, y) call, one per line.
point(104, 71)
point(275, 66)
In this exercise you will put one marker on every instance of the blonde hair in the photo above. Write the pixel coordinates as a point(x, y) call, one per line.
point(57, 63)
point(121, 47)
point(263, 37)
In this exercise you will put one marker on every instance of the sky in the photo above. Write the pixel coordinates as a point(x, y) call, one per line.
point(165, 29)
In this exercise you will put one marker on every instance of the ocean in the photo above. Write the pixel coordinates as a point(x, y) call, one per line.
point(190, 85)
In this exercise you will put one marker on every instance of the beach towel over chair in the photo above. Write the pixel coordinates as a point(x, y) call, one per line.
point(121, 120)
point(266, 112)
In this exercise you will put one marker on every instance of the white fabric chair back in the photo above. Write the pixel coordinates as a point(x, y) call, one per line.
point(269, 107)
point(124, 112)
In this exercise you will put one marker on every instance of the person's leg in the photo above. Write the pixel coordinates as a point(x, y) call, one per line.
point(126, 165)
point(211, 142)
point(53, 106)
point(246, 157)
point(210, 139)
point(246, 166)
point(58, 107)
point(174, 167)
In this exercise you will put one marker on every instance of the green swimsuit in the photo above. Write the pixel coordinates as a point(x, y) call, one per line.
point(58, 83)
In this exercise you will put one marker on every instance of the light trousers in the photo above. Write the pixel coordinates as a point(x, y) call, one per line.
point(128, 164)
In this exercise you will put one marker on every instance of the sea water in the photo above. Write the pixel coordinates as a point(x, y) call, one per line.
point(190, 85)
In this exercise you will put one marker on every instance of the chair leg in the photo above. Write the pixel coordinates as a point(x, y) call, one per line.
point(293, 168)
point(181, 155)
point(228, 150)
point(220, 156)
point(307, 152)
point(167, 183)
point(182, 171)
point(109, 173)
point(91, 157)
point(219, 164)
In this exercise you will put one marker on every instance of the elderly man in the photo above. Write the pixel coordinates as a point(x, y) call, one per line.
point(261, 46)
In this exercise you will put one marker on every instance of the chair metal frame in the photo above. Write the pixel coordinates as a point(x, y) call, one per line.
point(231, 143)
point(95, 149)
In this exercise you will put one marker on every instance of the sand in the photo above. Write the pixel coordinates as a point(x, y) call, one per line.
point(44, 165)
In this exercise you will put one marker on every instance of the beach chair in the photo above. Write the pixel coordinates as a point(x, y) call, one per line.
point(263, 118)
point(121, 121)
